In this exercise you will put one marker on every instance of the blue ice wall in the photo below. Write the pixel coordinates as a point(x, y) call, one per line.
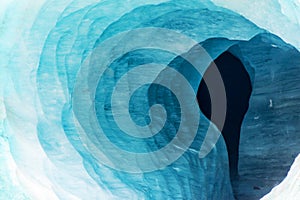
point(60, 131)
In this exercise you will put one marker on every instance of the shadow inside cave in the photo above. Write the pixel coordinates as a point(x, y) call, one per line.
point(238, 90)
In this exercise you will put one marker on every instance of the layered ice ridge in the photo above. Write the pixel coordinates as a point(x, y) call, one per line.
point(45, 46)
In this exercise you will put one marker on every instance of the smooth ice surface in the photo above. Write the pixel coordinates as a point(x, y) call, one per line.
point(47, 152)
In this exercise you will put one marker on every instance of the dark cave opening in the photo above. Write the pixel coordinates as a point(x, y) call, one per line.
point(238, 89)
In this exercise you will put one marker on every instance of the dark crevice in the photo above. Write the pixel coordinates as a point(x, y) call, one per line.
point(238, 90)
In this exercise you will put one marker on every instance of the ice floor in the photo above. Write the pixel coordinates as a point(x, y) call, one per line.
point(265, 168)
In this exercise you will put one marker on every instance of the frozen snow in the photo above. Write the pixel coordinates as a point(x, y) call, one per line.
point(289, 188)
point(280, 17)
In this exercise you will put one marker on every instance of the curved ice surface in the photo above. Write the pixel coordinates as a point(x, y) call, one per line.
point(277, 16)
point(52, 73)
point(289, 188)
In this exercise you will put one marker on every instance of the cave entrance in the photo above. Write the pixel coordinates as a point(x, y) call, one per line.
point(238, 89)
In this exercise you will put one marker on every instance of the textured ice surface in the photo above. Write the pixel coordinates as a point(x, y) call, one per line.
point(277, 16)
point(45, 152)
point(289, 188)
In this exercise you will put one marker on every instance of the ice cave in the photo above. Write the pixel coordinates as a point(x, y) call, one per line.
point(238, 89)
point(154, 99)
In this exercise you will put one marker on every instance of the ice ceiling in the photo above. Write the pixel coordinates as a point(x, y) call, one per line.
point(89, 110)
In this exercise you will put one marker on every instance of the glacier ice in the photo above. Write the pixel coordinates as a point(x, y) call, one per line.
point(278, 17)
point(49, 146)
point(289, 188)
